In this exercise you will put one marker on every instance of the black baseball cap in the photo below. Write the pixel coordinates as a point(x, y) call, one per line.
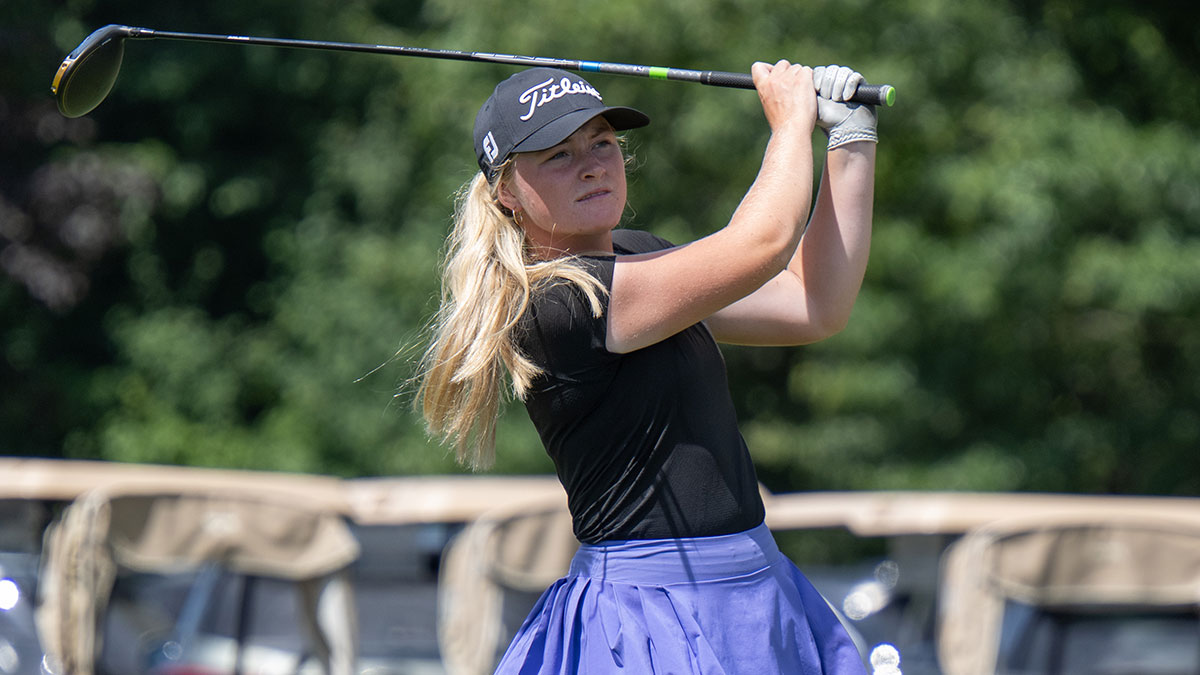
point(537, 109)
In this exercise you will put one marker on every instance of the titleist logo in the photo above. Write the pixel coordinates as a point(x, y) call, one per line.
point(541, 94)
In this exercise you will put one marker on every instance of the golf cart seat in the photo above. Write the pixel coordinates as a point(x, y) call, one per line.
point(492, 574)
point(165, 530)
point(1099, 593)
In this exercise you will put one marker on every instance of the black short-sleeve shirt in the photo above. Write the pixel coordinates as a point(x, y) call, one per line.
point(645, 443)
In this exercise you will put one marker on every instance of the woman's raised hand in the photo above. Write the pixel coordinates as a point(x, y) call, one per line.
point(787, 93)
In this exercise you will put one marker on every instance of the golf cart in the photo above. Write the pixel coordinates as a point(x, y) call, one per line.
point(1102, 592)
point(142, 562)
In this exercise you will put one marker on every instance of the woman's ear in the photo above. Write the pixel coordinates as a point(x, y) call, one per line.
point(507, 198)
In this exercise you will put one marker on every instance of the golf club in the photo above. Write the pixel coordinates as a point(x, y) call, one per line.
point(89, 72)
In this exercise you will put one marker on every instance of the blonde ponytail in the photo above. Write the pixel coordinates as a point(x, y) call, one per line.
point(487, 278)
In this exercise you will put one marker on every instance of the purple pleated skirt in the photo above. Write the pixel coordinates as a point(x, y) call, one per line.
point(729, 604)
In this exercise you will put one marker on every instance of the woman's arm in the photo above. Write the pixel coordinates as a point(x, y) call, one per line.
point(812, 298)
point(656, 295)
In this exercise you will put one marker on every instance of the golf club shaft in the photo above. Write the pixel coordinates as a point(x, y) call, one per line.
point(874, 94)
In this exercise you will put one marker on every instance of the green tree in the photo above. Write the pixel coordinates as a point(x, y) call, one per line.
point(231, 260)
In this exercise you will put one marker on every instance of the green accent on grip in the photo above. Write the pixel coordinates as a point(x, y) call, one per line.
point(890, 97)
point(658, 73)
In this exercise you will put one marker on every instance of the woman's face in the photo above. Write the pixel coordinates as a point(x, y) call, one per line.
point(569, 198)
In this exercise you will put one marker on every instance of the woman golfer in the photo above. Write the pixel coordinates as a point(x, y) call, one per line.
point(609, 336)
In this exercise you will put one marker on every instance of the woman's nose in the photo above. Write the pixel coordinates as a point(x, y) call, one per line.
point(593, 166)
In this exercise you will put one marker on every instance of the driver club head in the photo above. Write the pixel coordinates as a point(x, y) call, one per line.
point(89, 72)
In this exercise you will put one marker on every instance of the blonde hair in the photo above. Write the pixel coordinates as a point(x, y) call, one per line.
point(487, 277)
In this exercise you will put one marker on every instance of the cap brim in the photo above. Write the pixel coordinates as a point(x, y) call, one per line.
point(620, 117)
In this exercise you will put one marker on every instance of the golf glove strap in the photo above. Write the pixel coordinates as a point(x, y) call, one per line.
point(842, 121)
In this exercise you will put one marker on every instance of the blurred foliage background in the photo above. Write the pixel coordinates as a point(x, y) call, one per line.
point(230, 262)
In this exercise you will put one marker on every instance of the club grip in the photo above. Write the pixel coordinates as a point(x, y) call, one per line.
point(720, 78)
point(871, 94)
point(874, 94)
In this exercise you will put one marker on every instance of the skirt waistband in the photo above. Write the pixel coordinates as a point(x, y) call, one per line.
point(683, 560)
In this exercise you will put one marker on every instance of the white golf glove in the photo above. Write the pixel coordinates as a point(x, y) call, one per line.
point(842, 121)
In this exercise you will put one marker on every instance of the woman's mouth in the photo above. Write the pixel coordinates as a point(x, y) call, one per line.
point(592, 194)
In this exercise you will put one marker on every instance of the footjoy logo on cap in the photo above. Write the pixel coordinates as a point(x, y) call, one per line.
point(540, 94)
point(489, 147)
